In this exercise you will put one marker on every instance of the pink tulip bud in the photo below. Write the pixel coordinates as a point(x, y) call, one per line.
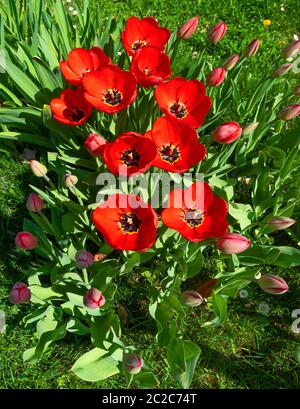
point(34, 203)
point(38, 169)
point(273, 284)
point(84, 259)
point(227, 132)
point(188, 28)
point(216, 77)
point(232, 243)
point(93, 298)
point(290, 112)
point(291, 49)
point(25, 240)
point(297, 90)
point(280, 222)
point(248, 129)
point(252, 48)
point(19, 294)
point(133, 363)
point(230, 62)
point(95, 144)
point(217, 32)
point(283, 69)
point(70, 180)
point(191, 298)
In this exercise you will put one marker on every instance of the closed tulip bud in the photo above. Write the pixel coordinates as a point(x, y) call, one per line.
point(252, 48)
point(227, 132)
point(232, 243)
point(133, 363)
point(292, 49)
point(216, 77)
point(38, 169)
point(70, 180)
point(297, 90)
point(25, 240)
point(34, 203)
point(280, 222)
point(248, 129)
point(93, 298)
point(191, 298)
point(230, 62)
point(217, 32)
point(84, 258)
point(188, 28)
point(283, 69)
point(272, 284)
point(290, 112)
point(95, 144)
point(19, 294)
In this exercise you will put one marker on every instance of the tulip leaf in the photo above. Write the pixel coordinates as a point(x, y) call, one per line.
point(258, 254)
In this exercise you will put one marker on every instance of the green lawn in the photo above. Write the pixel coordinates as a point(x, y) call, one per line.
point(250, 350)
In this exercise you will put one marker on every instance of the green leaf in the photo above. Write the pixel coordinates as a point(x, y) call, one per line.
point(258, 254)
point(220, 309)
point(76, 327)
point(132, 261)
point(145, 379)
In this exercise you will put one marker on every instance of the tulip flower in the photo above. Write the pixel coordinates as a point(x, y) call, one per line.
point(38, 169)
point(216, 77)
point(133, 363)
point(292, 49)
point(272, 284)
point(34, 203)
point(191, 298)
point(19, 294)
point(95, 144)
point(280, 222)
point(25, 240)
point(248, 129)
point(252, 48)
point(84, 258)
point(230, 62)
point(227, 133)
point(232, 243)
point(283, 69)
point(93, 298)
point(70, 180)
point(188, 28)
point(290, 112)
point(217, 32)
point(297, 90)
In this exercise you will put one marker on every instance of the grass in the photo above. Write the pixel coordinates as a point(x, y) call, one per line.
point(250, 350)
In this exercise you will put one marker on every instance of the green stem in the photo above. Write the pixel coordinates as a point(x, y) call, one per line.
point(85, 276)
point(46, 220)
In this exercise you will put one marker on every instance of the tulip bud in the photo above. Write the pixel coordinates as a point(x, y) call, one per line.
point(19, 294)
point(133, 363)
point(273, 284)
point(227, 132)
point(291, 49)
point(70, 180)
point(232, 243)
point(93, 298)
point(84, 259)
point(191, 298)
point(34, 203)
point(290, 112)
point(297, 90)
point(217, 32)
point(230, 62)
point(216, 77)
point(25, 240)
point(252, 48)
point(188, 28)
point(248, 129)
point(280, 222)
point(38, 169)
point(283, 69)
point(95, 144)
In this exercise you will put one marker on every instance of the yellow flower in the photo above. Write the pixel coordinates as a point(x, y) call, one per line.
point(266, 23)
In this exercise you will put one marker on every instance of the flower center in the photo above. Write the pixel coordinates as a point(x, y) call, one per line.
point(112, 97)
point(148, 71)
point(74, 113)
point(130, 223)
point(169, 153)
point(136, 45)
point(131, 157)
point(178, 109)
point(193, 217)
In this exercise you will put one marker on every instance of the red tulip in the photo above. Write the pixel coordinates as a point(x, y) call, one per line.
point(26, 240)
point(273, 284)
point(280, 222)
point(227, 132)
point(151, 66)
point(232, 243)
point(290, 112)
point(217, 32)
point(133, 363)
point(191, 298)
point(84, 259)
point(19, 294)
point(216, 77)
point(252, 48)
point(293, 48)
point(230, 62)
point(34, 203)
point(93, 298)
point(188, 28)
point(37, 168)
point(283, 69)
point(95, 144)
